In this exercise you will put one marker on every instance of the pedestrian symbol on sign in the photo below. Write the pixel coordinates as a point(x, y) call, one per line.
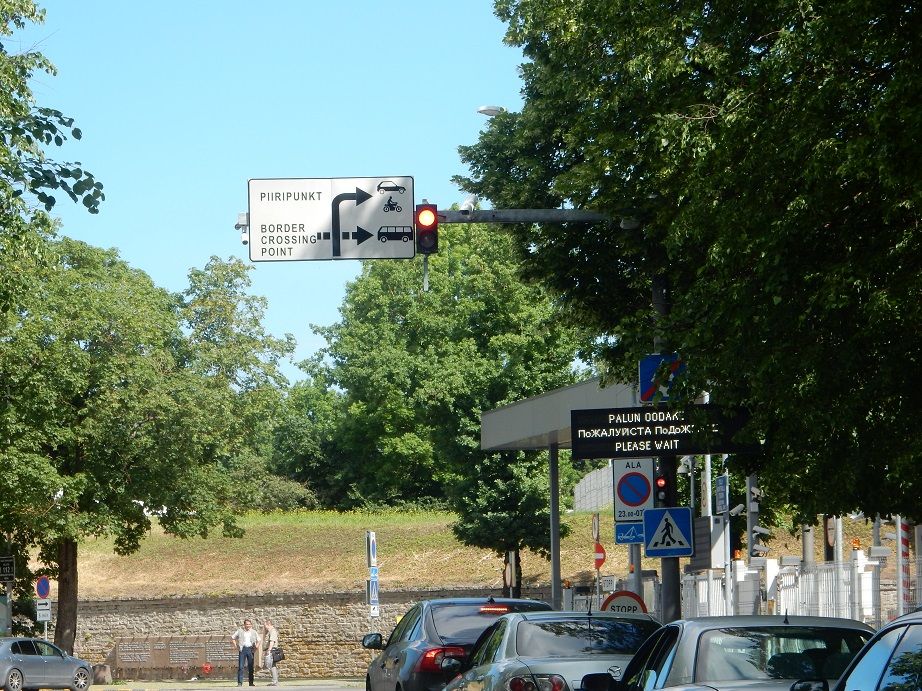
point(665, 536)
point(668, 532)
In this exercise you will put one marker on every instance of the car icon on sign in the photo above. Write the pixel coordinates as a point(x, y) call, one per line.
point(389, 186)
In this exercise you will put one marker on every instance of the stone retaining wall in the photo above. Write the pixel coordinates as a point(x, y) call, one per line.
point(321, 633)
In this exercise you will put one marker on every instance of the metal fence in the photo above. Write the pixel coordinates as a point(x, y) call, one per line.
point(868, 590)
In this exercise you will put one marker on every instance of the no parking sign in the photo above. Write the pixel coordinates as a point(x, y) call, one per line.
point(633, 479)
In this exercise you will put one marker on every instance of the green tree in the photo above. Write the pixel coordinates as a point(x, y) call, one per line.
point(504, 505)
point(758, 161)
point(305, 436)
point(418, 368)
point(25, 170)
point(113, 416)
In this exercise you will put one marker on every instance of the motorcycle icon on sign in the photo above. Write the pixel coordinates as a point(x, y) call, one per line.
point(391, 205)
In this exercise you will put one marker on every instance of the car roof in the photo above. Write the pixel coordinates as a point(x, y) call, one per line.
point(581, 614)
point(482, 600)
point(915, 615)
point(756, 620)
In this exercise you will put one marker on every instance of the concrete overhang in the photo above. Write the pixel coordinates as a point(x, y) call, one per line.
point(540, 421)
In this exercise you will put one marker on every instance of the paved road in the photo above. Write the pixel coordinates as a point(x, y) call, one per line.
point(208, 684)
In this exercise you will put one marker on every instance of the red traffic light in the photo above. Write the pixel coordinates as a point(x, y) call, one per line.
point(427, 228)
point(660, 483)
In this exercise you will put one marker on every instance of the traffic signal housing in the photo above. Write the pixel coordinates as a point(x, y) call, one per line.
point(661, 489)
point(427, 228)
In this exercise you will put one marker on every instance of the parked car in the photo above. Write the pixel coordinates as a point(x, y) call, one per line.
point(431, 632)
point(550, 650)
point(744, 652)
point(32, 663)
point(892, 660)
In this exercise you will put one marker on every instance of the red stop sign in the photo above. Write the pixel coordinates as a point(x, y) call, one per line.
point(599, 556)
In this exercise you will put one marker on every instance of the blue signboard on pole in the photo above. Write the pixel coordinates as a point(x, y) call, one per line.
point(668, 532)
point(628, 533)
point(650, 383)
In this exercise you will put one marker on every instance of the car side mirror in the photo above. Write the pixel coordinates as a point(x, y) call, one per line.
point(810, 685)
point(451, 664)
point(372, 641)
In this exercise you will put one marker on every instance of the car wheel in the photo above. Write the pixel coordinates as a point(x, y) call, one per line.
point(13, 681)
point(81, 680)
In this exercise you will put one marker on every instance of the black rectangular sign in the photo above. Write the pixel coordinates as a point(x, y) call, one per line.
point(652, 431)
point(7, 569)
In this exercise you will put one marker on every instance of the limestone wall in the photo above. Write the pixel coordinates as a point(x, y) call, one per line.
point(320, 633)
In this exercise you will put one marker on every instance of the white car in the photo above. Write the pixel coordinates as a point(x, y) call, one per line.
point(764, 653)
point(550, 651)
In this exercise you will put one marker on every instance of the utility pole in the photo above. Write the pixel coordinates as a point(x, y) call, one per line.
point(672, 602)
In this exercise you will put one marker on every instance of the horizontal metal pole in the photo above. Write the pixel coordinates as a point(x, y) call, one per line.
point(522, 216)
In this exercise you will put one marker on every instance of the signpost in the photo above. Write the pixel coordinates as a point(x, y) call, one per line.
point(650, 383)
point(599, 556)
point(302, 219)
point(7, 569)
point(624, 601)
point(371, 586)
point(641, 432)
point(722, 494)
point(668, 532)
point(42, 587)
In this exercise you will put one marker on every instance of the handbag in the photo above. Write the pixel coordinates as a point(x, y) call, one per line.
point(277, 655)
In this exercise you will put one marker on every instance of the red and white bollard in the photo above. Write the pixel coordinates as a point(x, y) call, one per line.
point(903, 585)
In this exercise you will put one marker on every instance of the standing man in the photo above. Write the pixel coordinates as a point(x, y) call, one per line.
point(245, 640)
point(270, 641)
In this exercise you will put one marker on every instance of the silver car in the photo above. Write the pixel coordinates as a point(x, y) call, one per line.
point(551, 651)
point(768, 653)
point(34, 663)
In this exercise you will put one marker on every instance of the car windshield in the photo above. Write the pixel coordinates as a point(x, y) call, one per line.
point(463, 623)
point(584, 636)
point(776, 652)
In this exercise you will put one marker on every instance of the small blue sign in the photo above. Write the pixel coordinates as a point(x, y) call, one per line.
point(629, 533)
point(650, 384)
point(43, 587)
point(668, 532)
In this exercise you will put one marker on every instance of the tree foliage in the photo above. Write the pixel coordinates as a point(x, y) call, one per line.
point(417, 368)
point(759, 159)
point(123, 404)
point(26, 173)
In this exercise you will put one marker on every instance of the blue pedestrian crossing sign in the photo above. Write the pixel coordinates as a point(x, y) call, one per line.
point(668, 532)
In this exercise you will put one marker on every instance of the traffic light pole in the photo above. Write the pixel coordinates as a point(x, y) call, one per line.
point(522, 216)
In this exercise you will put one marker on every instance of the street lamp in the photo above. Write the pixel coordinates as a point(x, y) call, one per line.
point(491, 111)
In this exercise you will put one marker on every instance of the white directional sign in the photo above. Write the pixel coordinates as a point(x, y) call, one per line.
point(43, 610)
point(331, 218)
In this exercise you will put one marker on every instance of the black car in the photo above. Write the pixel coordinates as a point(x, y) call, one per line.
point(432, 631)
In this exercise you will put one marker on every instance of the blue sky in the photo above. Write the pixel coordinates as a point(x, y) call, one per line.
point(182, 101)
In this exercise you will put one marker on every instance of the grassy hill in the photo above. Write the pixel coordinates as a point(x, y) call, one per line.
point(324, 551)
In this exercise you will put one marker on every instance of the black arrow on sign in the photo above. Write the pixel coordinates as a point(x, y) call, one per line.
point(359, 196)
point(361, 235)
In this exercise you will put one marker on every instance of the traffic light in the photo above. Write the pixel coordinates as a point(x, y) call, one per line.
point(427, 228)
point(662, 490)
point(757, 534)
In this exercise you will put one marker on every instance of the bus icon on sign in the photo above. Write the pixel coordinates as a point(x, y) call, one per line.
point(403, 233)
